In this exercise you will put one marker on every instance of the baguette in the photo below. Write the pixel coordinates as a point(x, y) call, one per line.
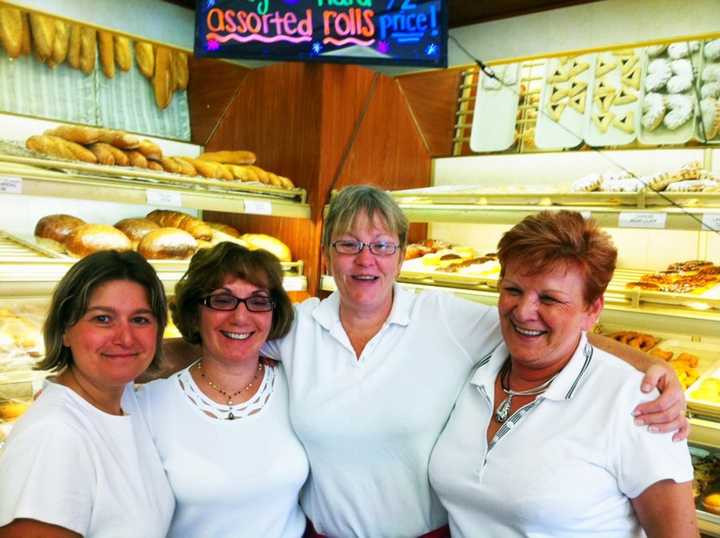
point(120, 158)
point(262, 175)
point(170, 165)
point(286, 183)
point(104, 156)
point(229, 157)
point(26, 40)
point(181, 74)
point(238, 172)
point(59, 147)
point(154, 165)
point(136, 159)
point(76, 133)
point(163, 85)
point(145, 57)
point(43, 33)
point(107, 53)
point(119, 139)
point(204, 168)
point(78, 152)
point(123, 53)
point(186, 168)
point(150, 149)
point(88, 49)
point(61, 43)
point(274, 180)
point(175, 219)
point(73, 57)
point(11, 30)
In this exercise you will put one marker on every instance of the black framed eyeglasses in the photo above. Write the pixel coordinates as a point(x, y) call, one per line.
point(227, 302)
point(378, 248)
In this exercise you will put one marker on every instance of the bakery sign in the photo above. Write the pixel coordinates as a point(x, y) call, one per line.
point(397, 32)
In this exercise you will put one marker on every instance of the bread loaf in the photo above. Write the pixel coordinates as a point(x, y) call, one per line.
point(186, 168)
point(123, 53)
point(136, 229)
point(119, 139)
point(286, 183)
point(11, 30)
point(90, 238)
point(175, 219)
point(73, 57)
point(150, 150)
point(170, 165)
point(145, 57)
point(163, 84)
point(52, 230)
point(61, 43)
point(120, 158)
point(229, 157)
point(107, 53)
point(76, 133)
point(26, 40)
point(59, 147)
point(43, 33)
point(269, 243)
point(167, 243)
point(104, 156)
point(136, 158)
point(88, 49)
point(154, 165)
point(206, 168)
point(181, 73)
point(79, 152)
point(224, 228)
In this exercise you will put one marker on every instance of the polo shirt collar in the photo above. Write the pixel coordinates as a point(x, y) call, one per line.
point(565, 385)
point(327, 314)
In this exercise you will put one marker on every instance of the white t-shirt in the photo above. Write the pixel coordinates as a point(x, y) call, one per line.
point(238, 478)
point(69, 464)
point(565, 465)
point(369, 424)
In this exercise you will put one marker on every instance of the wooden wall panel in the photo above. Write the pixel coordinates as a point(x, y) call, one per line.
point(432, 97)
point(213, 84)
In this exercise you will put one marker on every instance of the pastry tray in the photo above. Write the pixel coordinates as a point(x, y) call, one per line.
point(496, 107)
point(46, 167)
point(703, 407)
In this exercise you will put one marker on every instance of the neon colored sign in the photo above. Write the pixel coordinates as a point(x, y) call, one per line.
point(401, 32)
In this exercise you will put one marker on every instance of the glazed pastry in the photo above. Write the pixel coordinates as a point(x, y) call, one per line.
point(176, 219)
point(123, 52)
point(90, 238)
point(107, 53)
point(145, 57)
point(52, 230)
point(11, 30)
point(73, 56)
point(88, 49)
point(167, 243)
point(43, 33)
point(136, 229)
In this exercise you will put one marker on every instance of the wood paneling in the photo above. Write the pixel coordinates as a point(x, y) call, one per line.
point(432, 97)
point(314, 123)
point(212, 86)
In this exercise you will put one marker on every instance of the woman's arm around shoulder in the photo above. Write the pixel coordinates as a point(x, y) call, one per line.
point(666, 510)
point(31, 528)
point(664, 414)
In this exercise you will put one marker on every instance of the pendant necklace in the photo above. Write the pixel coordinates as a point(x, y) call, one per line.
point(228, 395)
point(503, 411)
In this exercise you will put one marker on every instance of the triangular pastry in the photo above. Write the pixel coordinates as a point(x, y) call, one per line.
point(605, 101)
point(577, 67)
point(555, 110)
point(625, 96)
point(604, 67)
point(603, 88)
point(624, 52)
point(578, 102)
point(557, 93)
point(558, 75)
point(632, 78)
point(576, 87)
point(625, 122)
point(627, 63)
point(602, 121)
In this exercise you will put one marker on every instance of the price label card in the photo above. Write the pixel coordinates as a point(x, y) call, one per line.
point(294, 284)
point(711, 221)
point(158, 197)
point(258, 207)
point(642, 220)
point(11, 184)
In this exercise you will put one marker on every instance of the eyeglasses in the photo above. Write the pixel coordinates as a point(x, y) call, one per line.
point(379, 248)
point(227, 302)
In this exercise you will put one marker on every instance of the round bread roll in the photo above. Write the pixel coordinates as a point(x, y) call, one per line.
point(52, 231)
point(136, 229)
point(167, 243)
point(269, 243)
point(90, 238)
point(711, 503)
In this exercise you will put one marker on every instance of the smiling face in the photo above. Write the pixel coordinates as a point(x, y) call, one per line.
point(543, 314)
point(235, 335)
point(114, 341)
point(364, 280)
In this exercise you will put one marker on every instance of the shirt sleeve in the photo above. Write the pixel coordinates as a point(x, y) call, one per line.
point(642, 458)
point(47, 474)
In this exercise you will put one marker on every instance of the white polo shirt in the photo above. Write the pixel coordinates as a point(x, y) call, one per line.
point(565, 465)
point(369, 424)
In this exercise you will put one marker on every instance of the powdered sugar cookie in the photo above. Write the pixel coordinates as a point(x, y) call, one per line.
point(711, 50)
point(679, 84)
point(681, 108)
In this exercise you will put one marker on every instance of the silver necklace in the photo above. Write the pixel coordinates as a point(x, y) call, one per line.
point(503, 411)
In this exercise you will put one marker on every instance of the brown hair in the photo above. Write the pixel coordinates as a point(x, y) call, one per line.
point(550, 238)
point(70, 300)
point(209, 267)
point(353, 200)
